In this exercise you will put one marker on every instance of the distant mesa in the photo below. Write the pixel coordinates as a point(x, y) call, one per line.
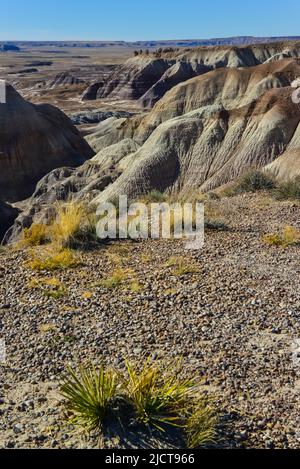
point(24, 71)
point(9, 48)
point(40, 63)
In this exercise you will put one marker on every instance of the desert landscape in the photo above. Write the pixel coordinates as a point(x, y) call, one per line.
point(140, 343)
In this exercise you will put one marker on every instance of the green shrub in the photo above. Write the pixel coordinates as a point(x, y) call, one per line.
point(252, 181)
point(288, 190)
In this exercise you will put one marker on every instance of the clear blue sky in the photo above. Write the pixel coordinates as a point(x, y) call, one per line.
point(144, 19)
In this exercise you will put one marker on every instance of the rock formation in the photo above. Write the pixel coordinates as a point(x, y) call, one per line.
point(64, 79)
point(148, 77)
point(8, 215)
point(34, 139)
point(204, 133)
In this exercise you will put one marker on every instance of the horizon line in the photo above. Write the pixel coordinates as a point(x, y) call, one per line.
point(151, 40)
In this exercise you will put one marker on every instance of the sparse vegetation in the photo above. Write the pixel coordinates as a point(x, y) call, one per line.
point(290, 236)
point(51, 259)
point(200, 426)
point(114, 281)
point(152, 393)
point(180, 266)
point(73, 227)
point(288, 189)
point(36, 235)
point(252, 181)
point(50, 287)
point(154, 196)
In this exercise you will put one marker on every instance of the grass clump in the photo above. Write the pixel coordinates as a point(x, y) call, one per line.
point(290, 236)
point(180, 266)
point(89, 395)
point(200, 426)
point(36, 235)
point(116, 279)
point(73, 225)
point(50, 260)
point(50, 287)
point(157, 396)
point(71, 228)
point(154, 196)
point(288, 189)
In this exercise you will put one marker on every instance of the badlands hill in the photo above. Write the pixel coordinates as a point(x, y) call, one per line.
point(204, 133)
point(148, 76)
point(34, 139)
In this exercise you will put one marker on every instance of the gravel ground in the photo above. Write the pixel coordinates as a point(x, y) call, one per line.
point(235, 321)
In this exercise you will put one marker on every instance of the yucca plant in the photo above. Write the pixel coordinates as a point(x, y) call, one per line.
point(200, 426)
point(157, 395)
point(89, 395)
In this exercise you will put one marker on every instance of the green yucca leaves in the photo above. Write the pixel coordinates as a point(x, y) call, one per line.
point(154, 394)
point(89, 395)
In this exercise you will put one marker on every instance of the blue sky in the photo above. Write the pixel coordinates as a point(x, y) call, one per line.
point(142, 19)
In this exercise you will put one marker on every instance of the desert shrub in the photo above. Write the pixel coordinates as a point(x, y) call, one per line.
point(73, 227)
point(216, 225)
point(157, 394)
point(288, 189)
point(89, 395)
point(289, 237)
point(154, 395)
point(36, 235)
point(154, 196)
point(252, 181)
point(52, 259)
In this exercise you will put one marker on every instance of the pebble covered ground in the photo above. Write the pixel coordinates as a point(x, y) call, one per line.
point(234, 318)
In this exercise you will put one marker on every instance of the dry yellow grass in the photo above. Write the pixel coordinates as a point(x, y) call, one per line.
point(72, 223)
point(289, 237)
point(52, 259)
point(36, 235)
point(181, 266)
